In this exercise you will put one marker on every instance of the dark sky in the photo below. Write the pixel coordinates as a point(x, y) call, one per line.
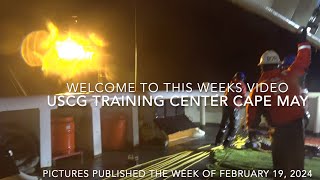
point(178, 40)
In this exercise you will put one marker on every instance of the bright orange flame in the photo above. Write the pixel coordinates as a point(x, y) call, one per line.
point(33, 48)
point(67, 55)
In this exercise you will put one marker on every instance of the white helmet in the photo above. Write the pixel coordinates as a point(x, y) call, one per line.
point(269, 57)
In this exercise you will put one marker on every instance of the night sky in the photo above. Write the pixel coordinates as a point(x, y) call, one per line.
point(178, 40)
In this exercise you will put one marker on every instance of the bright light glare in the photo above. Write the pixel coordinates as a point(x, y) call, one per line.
point(65, 54)
point(70, 50)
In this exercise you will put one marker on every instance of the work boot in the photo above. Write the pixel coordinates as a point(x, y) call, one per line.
point(216, 144)
point(227, 143)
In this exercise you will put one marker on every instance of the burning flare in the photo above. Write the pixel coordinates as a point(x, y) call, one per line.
point(66, 55)
point(70, 50)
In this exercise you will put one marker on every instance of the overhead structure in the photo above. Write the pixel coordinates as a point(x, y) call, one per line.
point(289, 14)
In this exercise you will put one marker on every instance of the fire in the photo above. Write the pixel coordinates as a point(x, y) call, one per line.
point(65, 54)
point(70, 50)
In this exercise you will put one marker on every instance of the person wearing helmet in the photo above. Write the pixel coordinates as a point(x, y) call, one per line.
point(286, 121)
point(286, 63)
point(230, 113)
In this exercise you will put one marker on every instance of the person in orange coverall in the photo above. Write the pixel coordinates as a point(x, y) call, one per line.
point(287, 121)
point(286, 63)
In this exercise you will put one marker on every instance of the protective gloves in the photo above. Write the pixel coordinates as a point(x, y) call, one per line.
point(302, 37)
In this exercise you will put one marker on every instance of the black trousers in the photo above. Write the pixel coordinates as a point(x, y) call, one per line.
point(288, 147)
point(228, 126)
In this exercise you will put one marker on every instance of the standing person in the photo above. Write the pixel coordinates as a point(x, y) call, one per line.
point(230, 113)
point(286, 63)
point(288, 136)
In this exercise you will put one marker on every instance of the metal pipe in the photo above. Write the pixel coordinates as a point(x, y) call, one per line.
point(135, 48)
point(203, 111)
point(275, 17)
